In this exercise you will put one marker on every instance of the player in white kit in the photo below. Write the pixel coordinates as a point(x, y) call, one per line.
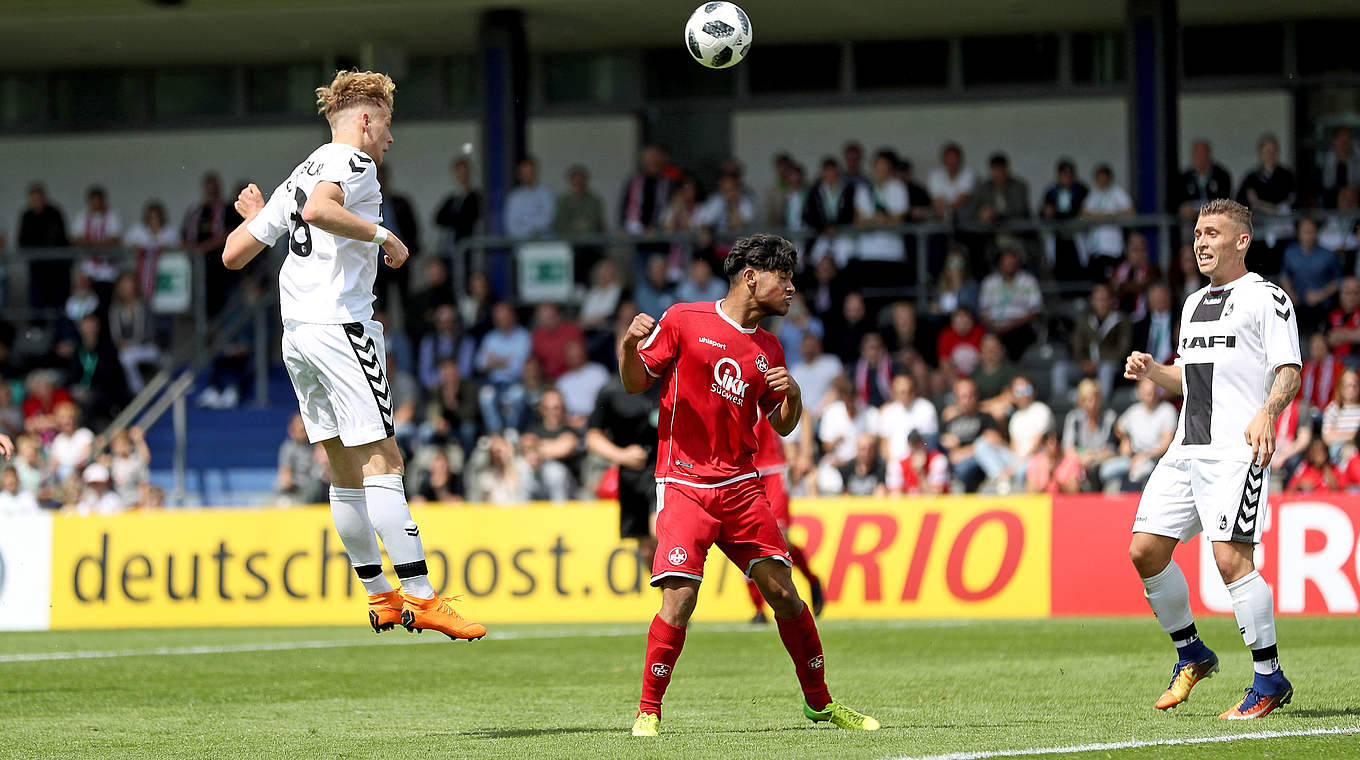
point(333, 349)
point(1238, 367)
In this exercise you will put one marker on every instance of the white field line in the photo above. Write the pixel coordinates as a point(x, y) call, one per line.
point(1080, 748)
point(431, 638)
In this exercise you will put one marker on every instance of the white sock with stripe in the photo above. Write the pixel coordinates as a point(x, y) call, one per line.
point(399, 533)
point(349, 511)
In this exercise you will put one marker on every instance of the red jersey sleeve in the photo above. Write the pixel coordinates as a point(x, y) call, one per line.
point(772, 399)
point(659, 349)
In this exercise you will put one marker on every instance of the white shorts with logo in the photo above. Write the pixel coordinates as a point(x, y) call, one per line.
point(340, 375)
point(1227, 500)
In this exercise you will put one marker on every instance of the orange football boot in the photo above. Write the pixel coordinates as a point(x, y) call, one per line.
point(384, 610)
point(438, 615)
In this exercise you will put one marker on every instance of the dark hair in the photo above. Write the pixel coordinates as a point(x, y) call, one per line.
point(952, 146)
point(761, 252)
point(95, 191)
point(1104, 169)
point(829, 161)
point(1065, 164)
point(887, 154)
point(999, 159)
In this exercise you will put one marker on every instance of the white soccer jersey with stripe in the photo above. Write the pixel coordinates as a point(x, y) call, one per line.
point(325, 279)
point(1233, 338)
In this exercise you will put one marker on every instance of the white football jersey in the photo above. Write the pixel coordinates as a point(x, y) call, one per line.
point(325, 279)
point(1233, 338)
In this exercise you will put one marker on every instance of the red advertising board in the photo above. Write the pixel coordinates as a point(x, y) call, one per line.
point(1308, 554)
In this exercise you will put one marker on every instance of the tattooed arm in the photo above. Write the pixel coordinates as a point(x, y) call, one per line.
point(1260, 432)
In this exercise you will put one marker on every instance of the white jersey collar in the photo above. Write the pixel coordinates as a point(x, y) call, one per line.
point(717, 306)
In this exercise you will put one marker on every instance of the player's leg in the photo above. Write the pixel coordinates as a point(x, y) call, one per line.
point(1167, 514)
point(757, 601)
point(776, 491)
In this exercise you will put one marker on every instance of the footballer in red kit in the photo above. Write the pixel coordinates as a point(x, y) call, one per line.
point(720, 373)
point(772, 466)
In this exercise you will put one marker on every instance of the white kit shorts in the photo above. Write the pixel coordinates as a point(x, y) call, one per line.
point(340, 375)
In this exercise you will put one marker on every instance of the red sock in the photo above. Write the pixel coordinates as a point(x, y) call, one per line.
point(664, 642)
point(800, 561)
point(805, 647)
point(756, 598)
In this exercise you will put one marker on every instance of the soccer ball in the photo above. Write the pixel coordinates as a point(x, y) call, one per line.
point(718, 35)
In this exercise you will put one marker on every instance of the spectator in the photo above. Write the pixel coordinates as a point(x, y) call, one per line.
point(11, 414)
point(1321, 371)
point(622, 431)
point(1063, 200)
point(853, 153)
point(551, 335)
point(815, 375)
point(964, 426)
point(701, 285)
point(646, 193)
point(872, 371)
point(993, 376)
point(529, 207)
point(1050, 470)
point(581, 383)
point(1316, 472)
point(792, 216)
point(912, 349)
point(1341, 417)
point(1104, 245)
point(866, 474)
point(1340, 167)
point(474, 307)
point(1100, 344)
point(727, 211)
point(1145, 431)
point(552, 448)
point(1088, 431)
point(881, 202)
point(99, 497)
point(1269, 190)
point(453, 413)
point(129, 463)
point(579, 211)
point(918, 198)
point(505, 478)
point(1009, 303)
point(1003, 463)
point(601, 301)
point(1204, 181)
point(206, 226)
point(446, 341)
point(229, 378)
point(956, 287)
point(132, 333)
point(300, 479)
point(150, 238)
point(1002, 197)
point(500, 360)
point(960, 344)
point(461, 209)
point(1343, 333)
point(94, 374)
point(906, 414)
point(923, 470)
point(1339, 231)
point(83, 299)
point(843, 421)
point(1311, 275)
point(830, 205)
point(1293, 435)
point(399, 216)
point(826, 290)
point(951, 183)
point(35, 476)
point(406, 398)
point(15, 502)
point(1185, 278)
point(432, 291)
point(795, 324)
point(1134, 275)
point(42, 396)
point(654, 293)
point(71, 447)
point(438, 483)
point(1158, 332)
point(679, 216)
point(43, 226)
point(776, 199)
point(846, 332)
point(98, 226)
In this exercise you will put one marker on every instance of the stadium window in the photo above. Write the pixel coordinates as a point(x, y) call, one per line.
point(1327, 47)
point(460, 83)
point(1010, 59)
point(794, 68)
point(21, 99)
point(1260, 50)
point(1098, 57)
point(678, 76)
point(98, 97)
point(284, 89)
point(587, 78)
point(419, 93)
point(192, 93)
point(901, 64)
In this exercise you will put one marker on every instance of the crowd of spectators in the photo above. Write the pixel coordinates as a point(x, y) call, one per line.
point(994, 382)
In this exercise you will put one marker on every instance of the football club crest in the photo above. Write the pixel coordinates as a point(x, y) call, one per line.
point(762, 363)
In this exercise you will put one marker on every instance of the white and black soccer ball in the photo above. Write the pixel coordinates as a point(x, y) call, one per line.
point(718, 35)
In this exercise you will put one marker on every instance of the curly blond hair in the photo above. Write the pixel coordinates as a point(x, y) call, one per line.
point(351, 88)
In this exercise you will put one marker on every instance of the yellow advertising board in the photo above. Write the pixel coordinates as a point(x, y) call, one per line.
point(948, 557)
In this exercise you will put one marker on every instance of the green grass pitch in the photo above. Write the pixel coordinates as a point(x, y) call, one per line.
point(571, 692)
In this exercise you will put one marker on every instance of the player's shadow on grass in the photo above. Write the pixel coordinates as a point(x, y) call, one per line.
point(526, 733)
point(1318, 713)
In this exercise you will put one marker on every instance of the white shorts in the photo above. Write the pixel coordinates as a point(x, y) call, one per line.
point(1227, 500)
point(340, 375)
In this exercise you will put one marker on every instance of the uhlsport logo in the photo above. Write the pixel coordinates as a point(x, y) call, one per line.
point(677, 556)
point(727, 381)
point(816, 662)
point(661, 669)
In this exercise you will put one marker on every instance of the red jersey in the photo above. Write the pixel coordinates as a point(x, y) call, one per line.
point(713, 391)
point(770, 456)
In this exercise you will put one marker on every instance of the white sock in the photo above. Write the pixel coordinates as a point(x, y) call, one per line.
point(399, 533)
point(1254, 606)
point(349, 511)
point(1169, 595)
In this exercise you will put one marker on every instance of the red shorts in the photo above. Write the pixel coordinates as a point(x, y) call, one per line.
point(736, 517)
point(778, 496)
